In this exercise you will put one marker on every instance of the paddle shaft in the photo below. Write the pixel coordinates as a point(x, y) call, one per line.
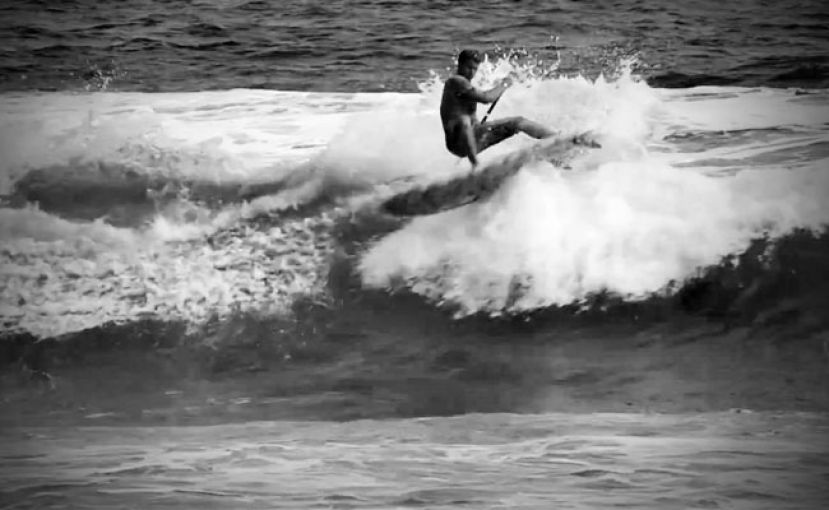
point(491, 107)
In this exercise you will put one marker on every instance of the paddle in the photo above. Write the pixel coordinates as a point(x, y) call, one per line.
point(491, 107)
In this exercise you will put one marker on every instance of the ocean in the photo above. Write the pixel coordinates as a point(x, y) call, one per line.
point(203, 305)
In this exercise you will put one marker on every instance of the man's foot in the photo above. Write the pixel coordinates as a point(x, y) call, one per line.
point(588, 139)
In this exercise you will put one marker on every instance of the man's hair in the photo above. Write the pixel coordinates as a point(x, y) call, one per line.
point(469, 56)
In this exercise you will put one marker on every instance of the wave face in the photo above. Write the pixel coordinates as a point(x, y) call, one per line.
point(683, 181)
point(196, 206)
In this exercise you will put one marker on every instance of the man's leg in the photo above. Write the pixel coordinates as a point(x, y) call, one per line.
point(471, 143)
point(534, 129)
point(495, 132)
point(460, 140)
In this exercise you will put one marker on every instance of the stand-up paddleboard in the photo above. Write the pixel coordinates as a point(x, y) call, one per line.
point(474, 186)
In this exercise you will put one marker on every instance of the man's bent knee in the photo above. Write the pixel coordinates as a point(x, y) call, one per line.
point(461, 153)
point(513, 124)
point(533, 129)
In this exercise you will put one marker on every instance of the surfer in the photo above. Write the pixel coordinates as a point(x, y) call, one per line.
point(465, 136)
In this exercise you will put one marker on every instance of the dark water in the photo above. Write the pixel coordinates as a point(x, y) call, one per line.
point(374, 45)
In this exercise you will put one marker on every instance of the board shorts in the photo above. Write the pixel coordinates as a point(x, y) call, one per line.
point(486, 135)
point(491, 133)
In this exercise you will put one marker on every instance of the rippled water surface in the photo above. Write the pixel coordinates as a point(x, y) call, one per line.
point(720, 460)
point(373, 45)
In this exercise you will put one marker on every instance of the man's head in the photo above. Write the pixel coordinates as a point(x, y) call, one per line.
point(468, 62)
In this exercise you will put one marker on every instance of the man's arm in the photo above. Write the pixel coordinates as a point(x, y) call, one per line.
point(465, 89)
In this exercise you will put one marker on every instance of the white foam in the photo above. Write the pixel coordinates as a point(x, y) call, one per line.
point(70, 277)
point(629, 228)
point(630, 221)
point(225, 135)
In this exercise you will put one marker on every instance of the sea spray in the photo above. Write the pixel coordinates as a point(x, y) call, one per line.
point(626, 220)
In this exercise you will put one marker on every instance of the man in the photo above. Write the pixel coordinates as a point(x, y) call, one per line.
point(465, 136)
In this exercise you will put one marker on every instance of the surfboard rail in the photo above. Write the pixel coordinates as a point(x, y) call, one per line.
point(465, 189)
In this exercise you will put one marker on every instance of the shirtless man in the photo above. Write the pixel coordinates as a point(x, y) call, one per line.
point(465, 136)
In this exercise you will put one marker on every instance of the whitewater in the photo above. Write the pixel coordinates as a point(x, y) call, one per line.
point(194, 206)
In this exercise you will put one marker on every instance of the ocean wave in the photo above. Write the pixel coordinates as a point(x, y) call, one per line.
point(630, 230)
point(362, 352)
point(192, 206)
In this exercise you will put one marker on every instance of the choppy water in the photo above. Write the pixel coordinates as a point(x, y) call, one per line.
point(190, 236)
point(480, 461)
point(375, 45)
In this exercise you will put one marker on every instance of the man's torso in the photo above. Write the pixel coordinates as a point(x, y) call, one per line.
point(455, 104)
